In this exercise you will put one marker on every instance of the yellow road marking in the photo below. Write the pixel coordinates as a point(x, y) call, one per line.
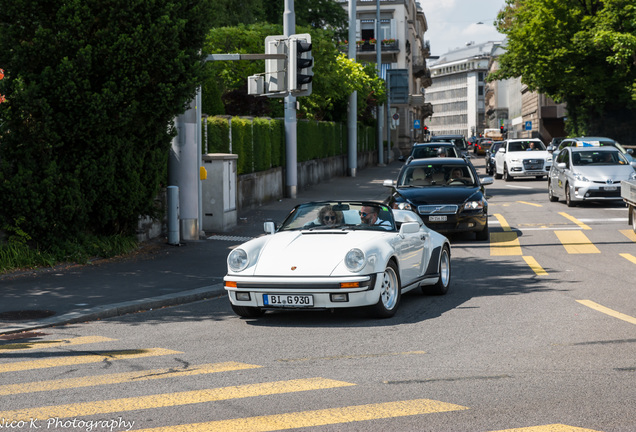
point(575, 242)
point(137, 376)
point(504, 244)
point(318, 417)
point(534, 265)
point(629, 257)
point(502, 222)
point(549, 428)
point(630, 234)
point(530, 204)
point(608, 311)
point(171, 399)
point(53, 343)
point(575, 220)
point(81, 358)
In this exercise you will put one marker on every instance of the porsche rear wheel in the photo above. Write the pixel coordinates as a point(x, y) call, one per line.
point(444, 270)
point(247, 311)
point(390, 293)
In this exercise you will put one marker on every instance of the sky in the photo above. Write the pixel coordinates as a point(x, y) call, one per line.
point(453, 23)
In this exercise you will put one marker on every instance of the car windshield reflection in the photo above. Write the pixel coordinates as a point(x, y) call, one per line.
point(436, 175)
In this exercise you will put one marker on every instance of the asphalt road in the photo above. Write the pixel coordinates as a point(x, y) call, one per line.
point(537, 334)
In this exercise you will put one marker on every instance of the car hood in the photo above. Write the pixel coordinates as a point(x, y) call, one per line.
point(604, 173)
point(311, 253)
point(536, 154)
point(440, 194)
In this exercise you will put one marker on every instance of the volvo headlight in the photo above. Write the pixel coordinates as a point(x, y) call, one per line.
point(354, 260)
point(237, 260)
point(473, 205)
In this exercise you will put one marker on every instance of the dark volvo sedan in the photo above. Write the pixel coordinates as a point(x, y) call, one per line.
point(447, 193)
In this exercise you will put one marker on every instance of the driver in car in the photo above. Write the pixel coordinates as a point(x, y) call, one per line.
point(369, 216)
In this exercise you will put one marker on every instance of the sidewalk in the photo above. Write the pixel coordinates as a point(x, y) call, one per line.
point(159, 274)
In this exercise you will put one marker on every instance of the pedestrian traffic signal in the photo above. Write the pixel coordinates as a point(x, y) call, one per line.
point(300, 65)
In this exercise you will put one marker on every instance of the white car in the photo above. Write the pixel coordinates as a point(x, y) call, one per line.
point(342, 254)
point(589, 174)
point(522, 158)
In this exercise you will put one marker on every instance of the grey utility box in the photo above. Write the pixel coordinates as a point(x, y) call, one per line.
point(219, 192)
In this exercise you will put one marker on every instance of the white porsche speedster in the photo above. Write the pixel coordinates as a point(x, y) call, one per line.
point(338, 254)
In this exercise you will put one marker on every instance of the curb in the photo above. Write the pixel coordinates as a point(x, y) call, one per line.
point(119, 309)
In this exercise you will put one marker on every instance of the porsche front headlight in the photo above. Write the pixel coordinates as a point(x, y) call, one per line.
point(237, 260)
point(354, 260)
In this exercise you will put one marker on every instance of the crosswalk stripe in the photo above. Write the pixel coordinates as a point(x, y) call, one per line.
point(504, 244)
point(629, 257)
point(137, 376)
point(608, 311)
point(534, 265)
point(549, 428)
point(575, 220)
point(172, 399)
point(84, 358)
point(575, 242)
point(321, 417)
point(22, 346)
point(630, 234)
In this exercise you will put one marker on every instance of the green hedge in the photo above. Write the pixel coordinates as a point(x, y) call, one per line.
point(260, 142)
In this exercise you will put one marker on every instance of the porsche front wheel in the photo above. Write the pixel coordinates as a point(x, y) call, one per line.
point(390, 293)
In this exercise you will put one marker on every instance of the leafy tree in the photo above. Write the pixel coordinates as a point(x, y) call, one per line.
point(335, 76)
point(236, 12)
point(317, 14)
point(92, 89)
point(578, 52)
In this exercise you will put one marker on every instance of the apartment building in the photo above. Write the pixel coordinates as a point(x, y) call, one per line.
point(457, 93)
point(403, 48)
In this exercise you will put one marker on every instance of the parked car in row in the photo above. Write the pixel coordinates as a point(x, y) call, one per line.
point(434, 149)
point(522, 158)
point(589, 174)
point(592, 142)
point(490, 157)
point(459, 141)
point(446, 192)
point(338, 254)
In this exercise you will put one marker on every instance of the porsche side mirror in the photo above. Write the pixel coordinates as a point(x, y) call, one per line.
point(409, 228)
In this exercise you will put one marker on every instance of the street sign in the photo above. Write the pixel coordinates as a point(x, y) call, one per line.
point(528, 125)
point(416, 124)
point(396, 116)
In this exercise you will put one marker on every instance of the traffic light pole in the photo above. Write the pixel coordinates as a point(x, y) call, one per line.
point(291, 124)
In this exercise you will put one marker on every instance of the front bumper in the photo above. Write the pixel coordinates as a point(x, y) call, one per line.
point(323, 290)
point(590, 191)
point(464, 221)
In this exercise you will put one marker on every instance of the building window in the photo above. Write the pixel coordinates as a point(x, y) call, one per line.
point(480, 90)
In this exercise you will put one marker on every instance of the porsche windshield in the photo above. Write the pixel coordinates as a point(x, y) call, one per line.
point(339, 215)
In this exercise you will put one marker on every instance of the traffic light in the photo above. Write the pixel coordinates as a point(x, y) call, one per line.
point(425, 130)
point(275, 71)
point(501, 129)
point(300, 65)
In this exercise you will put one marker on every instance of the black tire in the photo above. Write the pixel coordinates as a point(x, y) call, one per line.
point(247, 311)
point(568, 198)
point(390, 293)
point(506, 174)
point(444, 270)
point(483, 235)
point(551, 196)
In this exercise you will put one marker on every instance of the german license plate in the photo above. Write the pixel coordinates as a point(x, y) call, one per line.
point(437, 218)
point(288, 300)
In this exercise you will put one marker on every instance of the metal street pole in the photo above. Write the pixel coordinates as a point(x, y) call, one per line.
point(378, 55)
point(291, 124)
point(352, 112)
